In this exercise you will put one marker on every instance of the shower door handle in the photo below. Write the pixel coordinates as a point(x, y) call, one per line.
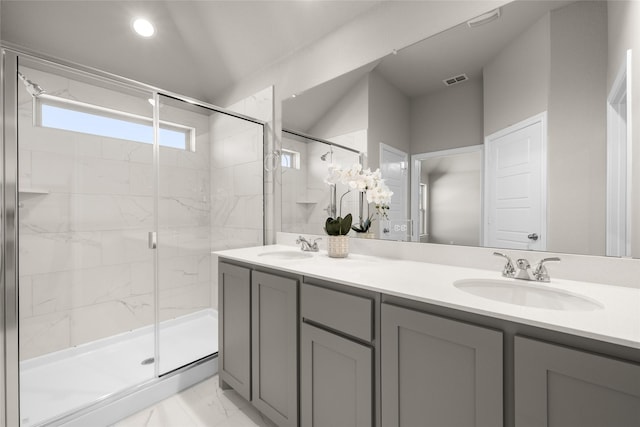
point(153, 240)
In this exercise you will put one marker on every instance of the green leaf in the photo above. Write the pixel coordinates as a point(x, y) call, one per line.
point(339, 226)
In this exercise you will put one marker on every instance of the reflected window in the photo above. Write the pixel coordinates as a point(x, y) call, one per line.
point(290, 159)
point(90, 119)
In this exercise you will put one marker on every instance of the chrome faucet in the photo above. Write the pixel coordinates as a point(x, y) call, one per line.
point(523, 270)
point(306, 246)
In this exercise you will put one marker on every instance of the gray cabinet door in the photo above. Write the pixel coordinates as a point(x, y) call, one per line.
point(439, 372)
point(336, 380)
point(275, 347)
point(561, 387)
point(234, 288)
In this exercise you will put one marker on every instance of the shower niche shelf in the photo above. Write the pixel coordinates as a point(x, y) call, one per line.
point(28, 193)
point(32, 192)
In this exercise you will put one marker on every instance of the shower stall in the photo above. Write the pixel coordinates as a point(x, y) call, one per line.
point(307, 200)
point(114, 195)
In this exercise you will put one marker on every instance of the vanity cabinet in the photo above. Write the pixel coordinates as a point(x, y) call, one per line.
point(234, 323)
point(259, 339)
point(337, 358)
point(439, 372)
point(557, 386)
point(319, 354)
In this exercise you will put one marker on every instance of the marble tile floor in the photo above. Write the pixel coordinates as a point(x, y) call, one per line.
point(202, 405)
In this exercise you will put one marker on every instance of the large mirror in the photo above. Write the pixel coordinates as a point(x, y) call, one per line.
point(512, 130)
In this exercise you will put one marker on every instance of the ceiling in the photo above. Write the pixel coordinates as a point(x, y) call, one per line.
point(420, 69)
point(200, 49)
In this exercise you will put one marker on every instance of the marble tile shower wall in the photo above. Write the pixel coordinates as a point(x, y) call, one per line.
point(305, 195)
point(237, 177)
point(85, 268)
point(296, 203)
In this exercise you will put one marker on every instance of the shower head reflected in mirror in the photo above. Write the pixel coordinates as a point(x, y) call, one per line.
point(324, 156)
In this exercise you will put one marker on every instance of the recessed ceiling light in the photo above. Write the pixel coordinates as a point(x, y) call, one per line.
point(143, 27)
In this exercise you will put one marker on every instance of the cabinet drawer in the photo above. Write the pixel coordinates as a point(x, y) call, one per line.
point(343, 312)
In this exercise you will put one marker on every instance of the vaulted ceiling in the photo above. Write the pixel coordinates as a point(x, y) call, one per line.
point(200, 47)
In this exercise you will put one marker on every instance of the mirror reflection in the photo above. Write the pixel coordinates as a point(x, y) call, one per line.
point(534, 95)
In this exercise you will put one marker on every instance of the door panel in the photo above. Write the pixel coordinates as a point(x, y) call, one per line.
point(515, 198)
point(560, 387)
point(436, 369)
point(275, 347)
point(394, 170)
point(336, 380)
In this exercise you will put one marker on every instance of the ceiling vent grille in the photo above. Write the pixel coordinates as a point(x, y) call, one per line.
point(455, 80)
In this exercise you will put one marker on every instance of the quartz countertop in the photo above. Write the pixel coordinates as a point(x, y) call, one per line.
point(617, 322)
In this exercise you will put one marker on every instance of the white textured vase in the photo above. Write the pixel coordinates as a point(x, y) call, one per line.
point(367, 235)
point(338, 246)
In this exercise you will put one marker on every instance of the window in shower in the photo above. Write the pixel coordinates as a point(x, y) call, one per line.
point(290, 159)
point(70, 115)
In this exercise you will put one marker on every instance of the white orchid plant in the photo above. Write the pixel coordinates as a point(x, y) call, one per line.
point(366, 182)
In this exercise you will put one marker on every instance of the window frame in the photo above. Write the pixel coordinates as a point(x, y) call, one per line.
point(83, 107)
point(293, 155)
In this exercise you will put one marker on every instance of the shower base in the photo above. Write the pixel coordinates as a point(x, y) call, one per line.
point(62, 382)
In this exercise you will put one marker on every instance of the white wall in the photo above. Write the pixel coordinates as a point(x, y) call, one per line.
point(347, 115)
point(516, 81)
point(577, 129)
point(449, 118)
point(624, 33)
point(389, 115)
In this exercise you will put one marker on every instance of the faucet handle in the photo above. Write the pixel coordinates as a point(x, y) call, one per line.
point(315, 244)
point(509, 269)
point(540, 272)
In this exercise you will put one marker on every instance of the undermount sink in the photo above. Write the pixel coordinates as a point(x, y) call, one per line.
point(287, 255)
point(529, 294)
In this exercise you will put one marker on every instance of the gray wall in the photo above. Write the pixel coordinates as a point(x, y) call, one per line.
point(349, 114)
point(388, 118)
point(449, 118)
point(552, 67)
point(454, 200)
point(516, 82)
point(624, 33)
point(577, 129)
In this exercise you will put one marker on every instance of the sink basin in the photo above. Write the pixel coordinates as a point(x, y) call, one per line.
point(527, 294)
point(287, 255)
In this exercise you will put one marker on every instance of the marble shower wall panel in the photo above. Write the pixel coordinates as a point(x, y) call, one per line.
point(310, 217)
point(85, 268)
point(295, 210)
point(238, 178)
point(184, 217)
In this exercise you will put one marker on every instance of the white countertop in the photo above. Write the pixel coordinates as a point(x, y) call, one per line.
point(617, 322)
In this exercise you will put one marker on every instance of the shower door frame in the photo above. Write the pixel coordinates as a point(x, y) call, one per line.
point(9, 242)
point(9, 272)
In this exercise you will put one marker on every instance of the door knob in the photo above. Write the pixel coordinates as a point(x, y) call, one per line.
point(533, 236)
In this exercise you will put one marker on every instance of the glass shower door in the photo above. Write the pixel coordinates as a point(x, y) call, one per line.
point(210, 191)
point(86, 273)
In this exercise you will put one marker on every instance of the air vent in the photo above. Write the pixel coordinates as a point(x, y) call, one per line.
point(455, 80)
